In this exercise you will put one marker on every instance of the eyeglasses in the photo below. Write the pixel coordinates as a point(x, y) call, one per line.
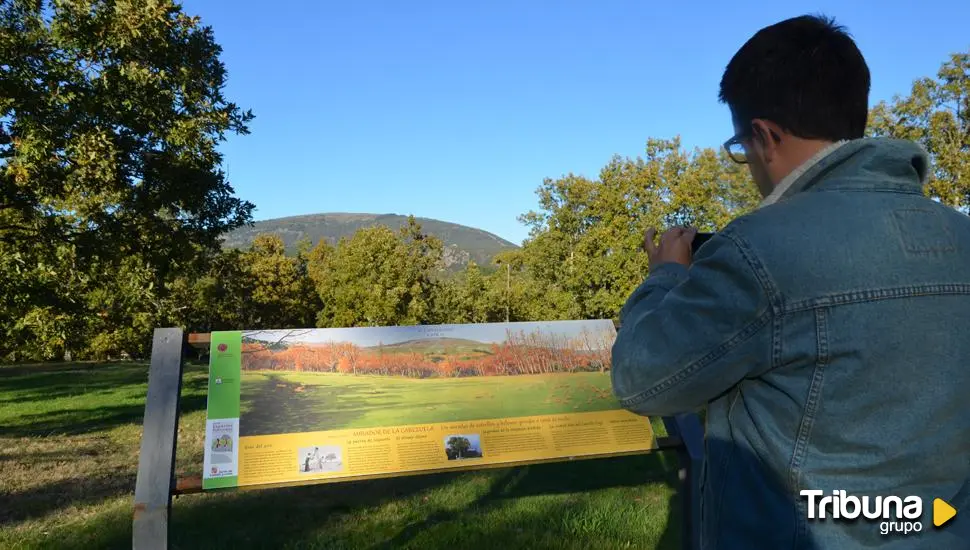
point(735, 149)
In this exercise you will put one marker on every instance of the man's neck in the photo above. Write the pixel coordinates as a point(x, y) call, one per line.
point(810, 152)
point(803, 150)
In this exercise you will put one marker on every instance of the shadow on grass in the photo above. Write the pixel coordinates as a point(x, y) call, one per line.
point(318, 407)
point(37, 457)
point(283, 410)
point(97, 417)
point(323, 516)
point(24, 384)
point(42, 500)
point(557, 479)
point(392, 513)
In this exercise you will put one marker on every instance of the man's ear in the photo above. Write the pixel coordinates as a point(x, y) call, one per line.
point(767, 136)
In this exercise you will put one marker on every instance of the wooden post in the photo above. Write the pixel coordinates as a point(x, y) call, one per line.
point(687, 428)
point(156, 461)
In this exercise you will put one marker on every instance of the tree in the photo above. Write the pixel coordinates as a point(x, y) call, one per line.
point(936, 114)
point(283, 295)
point(583, 258)
point(110, 117)
point(377, 277)
point(467, 297)
point(458, 445)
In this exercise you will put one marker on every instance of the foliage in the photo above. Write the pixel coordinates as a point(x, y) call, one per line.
point(257, 288)
point(584, 244)
point(458, 447)
point(377, 277)
point(936, 113)
point(472, 296)
point(110, 117)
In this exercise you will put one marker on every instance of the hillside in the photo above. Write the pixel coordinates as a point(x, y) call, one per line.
point(461, 243)
point(436, 346)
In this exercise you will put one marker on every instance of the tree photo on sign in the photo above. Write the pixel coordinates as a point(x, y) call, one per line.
point(460, 447)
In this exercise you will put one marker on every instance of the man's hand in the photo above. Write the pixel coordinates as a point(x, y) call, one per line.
point(674, 246)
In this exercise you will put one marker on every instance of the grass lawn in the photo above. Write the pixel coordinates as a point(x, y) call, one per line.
point(275, 402)
point(69, 438)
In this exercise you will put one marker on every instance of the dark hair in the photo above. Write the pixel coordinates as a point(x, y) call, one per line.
point(805, 74)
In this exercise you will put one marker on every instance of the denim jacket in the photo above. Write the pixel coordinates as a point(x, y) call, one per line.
point(828, 335)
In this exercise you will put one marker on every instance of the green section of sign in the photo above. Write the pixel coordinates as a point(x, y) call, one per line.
point(220, 483)
point(225, 366)
point(225, 361)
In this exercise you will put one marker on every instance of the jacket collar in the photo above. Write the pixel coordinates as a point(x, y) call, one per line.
point(779, 191)
point(859, 164)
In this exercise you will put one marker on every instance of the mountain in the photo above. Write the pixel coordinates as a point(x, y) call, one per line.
point(461, 243)
point(437, 346)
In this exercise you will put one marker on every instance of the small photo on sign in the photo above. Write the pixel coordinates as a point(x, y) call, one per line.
point(318, 459)
point(222, 444)
point(463, 446)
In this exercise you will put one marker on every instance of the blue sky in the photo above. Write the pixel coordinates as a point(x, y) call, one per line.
point(488, 332)
point(457, 111)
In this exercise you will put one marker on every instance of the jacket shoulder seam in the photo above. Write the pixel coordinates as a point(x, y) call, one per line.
point(757, 267)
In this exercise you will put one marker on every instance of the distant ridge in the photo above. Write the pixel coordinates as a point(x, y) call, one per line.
point(461, 243)
point(435, 341)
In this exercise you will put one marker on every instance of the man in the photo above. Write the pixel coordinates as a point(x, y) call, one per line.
point(828, 332)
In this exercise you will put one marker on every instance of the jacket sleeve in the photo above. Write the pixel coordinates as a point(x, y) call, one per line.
point(687, 335)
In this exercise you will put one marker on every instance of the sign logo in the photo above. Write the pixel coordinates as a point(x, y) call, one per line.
point(215, 470)
point(222, 347)
point(897, 515)
point(942, 512)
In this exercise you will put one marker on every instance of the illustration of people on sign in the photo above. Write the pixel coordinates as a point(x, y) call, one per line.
point(222, 444)
point(326, 458)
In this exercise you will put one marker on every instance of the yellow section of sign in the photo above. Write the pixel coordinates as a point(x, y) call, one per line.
point(942, 512)
point(396, 450)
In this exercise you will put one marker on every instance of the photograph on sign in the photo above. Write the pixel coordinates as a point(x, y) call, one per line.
point(346, 402)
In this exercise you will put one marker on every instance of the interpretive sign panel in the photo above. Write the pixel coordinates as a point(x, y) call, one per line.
point(320, 405)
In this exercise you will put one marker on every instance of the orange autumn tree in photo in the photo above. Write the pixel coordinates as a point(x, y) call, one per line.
point(521, 353)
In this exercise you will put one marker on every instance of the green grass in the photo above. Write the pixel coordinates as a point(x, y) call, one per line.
point(69, 438)
point(288, 402)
